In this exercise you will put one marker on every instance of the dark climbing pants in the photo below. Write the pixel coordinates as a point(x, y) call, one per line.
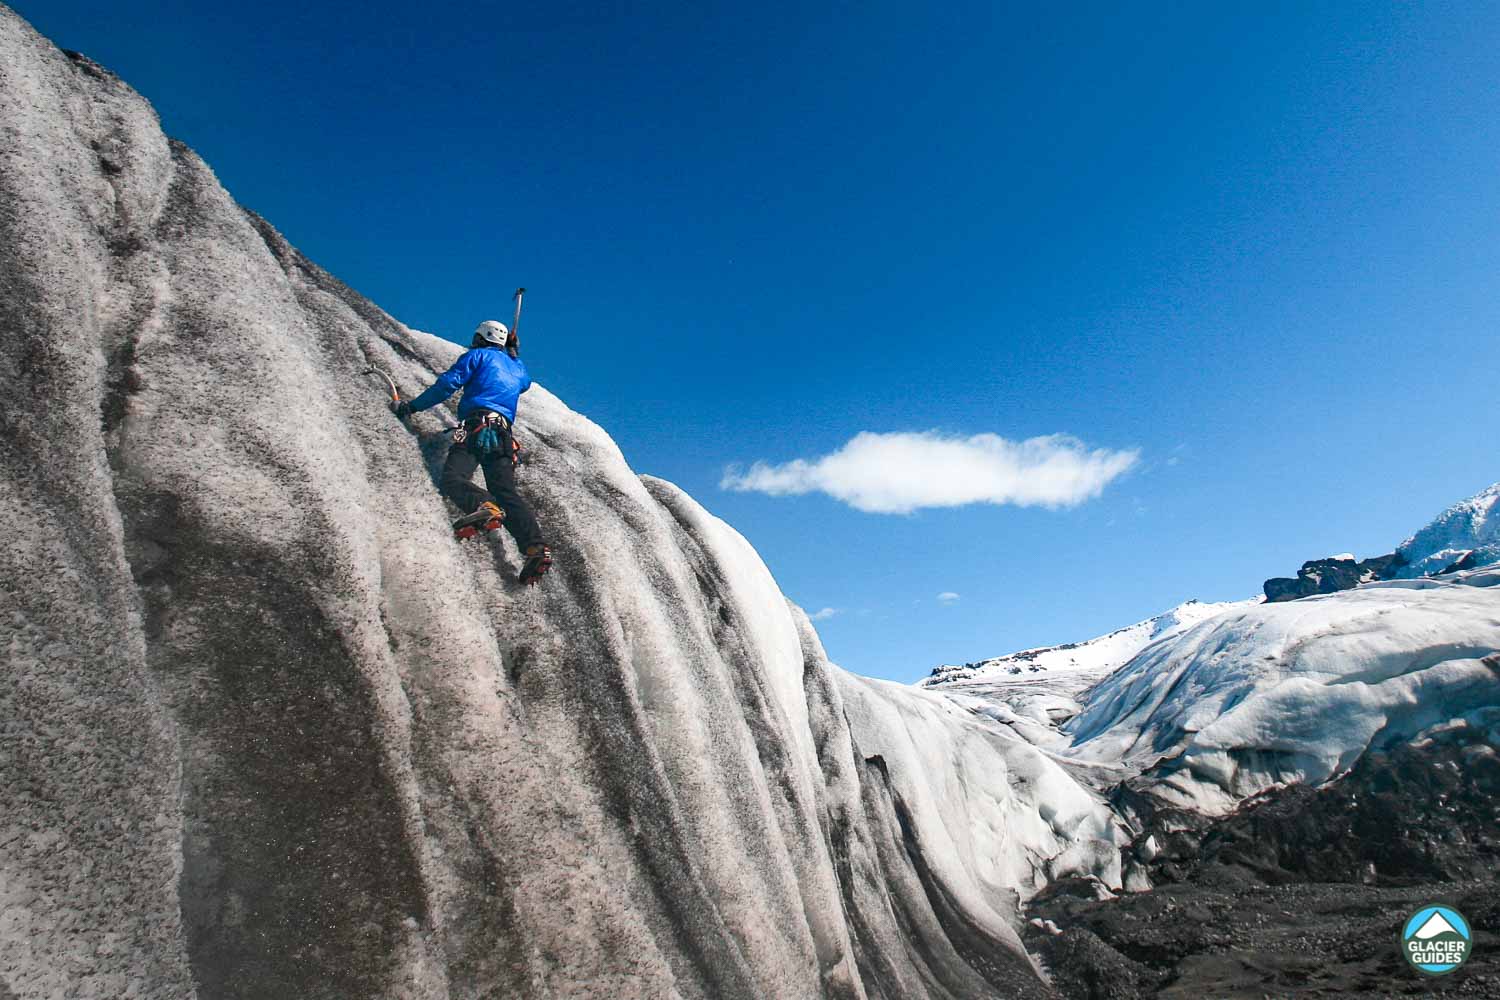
point(500, 476)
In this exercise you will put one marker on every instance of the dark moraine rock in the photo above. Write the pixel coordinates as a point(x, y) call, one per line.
point(1329, 576)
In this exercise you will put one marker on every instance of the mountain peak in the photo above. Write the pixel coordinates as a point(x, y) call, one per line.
point(1467, 531)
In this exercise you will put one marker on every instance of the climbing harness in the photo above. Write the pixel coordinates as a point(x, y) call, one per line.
point(486, 430)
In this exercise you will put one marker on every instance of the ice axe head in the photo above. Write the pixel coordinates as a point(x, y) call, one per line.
point(395, 395)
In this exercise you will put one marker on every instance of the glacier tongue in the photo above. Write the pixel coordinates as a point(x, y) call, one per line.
point(1297, 691)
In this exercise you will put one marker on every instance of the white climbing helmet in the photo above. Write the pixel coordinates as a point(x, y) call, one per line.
point(494, 331)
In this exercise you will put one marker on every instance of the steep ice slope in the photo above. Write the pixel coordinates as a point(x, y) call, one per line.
point(1469, 528)
point(1296, 692)
point(268, 731)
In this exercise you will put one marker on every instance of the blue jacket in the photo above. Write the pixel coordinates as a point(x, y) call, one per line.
point(490, 378)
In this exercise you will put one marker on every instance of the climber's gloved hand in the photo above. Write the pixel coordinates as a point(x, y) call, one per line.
point(401, 408)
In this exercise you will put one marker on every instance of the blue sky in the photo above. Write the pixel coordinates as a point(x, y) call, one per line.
point(1254, 245)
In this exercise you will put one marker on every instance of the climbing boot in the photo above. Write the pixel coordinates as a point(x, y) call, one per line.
point(487, 518)
point(538, 561)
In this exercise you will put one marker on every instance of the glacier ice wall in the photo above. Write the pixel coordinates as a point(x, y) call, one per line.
point(268, 731)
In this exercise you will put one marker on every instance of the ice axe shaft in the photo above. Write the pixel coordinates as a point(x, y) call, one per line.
point(514, 347)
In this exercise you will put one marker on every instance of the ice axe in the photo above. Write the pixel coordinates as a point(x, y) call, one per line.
point(513, 347)
point(395, 393)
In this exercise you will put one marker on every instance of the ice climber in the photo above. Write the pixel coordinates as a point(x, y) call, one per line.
point(492, 377)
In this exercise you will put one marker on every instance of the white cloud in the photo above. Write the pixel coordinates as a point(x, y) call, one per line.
point(823, 615)
point(899, 472)
point(947, 597)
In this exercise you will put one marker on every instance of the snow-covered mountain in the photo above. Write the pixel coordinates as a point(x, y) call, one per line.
point(1461, 537)
point(1079, 664)
point(1033, 691)
point(1467, 533)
